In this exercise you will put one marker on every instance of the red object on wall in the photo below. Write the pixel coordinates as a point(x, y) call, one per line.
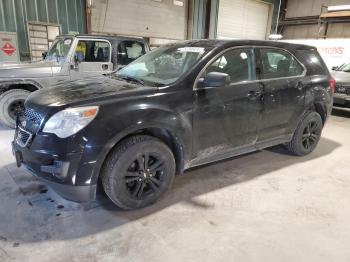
point(8, 49)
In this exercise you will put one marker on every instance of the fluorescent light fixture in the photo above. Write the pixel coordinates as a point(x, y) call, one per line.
point(275, 37)
point(335, 8)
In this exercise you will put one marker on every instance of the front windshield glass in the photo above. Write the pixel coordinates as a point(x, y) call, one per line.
point(344, 68)
point(164, 65)
point(59, 50)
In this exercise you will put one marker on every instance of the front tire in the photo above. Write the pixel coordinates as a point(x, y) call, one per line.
point(138, 172)
point(307, 135)
point(11, 104)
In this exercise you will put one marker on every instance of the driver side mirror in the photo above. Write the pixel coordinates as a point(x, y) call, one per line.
point(335, 68)
point(44, 55)
point(214, 79)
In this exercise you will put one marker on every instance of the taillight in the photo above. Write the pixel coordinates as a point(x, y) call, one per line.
point(332, 85)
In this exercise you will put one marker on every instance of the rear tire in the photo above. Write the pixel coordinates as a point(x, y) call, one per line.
point(12, 103)
point(307, 135)
point(138, 172)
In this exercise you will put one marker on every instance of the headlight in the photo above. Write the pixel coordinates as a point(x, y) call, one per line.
point(70, 121)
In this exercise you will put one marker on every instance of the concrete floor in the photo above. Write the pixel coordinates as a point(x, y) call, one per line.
point(265, 206)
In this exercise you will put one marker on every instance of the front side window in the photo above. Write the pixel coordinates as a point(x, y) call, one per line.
point(92, 51)
point(129, 50)
point(164, 65)
point(278, 63)
point(59, 50)
point(237, 63)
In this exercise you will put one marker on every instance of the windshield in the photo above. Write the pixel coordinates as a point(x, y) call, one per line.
point(344, 67)
point(59, 50)
point(164, 65)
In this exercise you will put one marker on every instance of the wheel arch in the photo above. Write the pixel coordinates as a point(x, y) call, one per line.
point(164, 134)
point(30, 86)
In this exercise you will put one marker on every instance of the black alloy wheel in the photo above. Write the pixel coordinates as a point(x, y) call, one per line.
point(138, 171)
point(144, 175)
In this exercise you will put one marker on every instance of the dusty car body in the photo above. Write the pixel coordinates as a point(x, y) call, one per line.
point(69, 58)
point(179, 106)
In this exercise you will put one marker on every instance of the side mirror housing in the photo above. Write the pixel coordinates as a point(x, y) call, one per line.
point(335, 68)
point(44, 54)
point(214, 79)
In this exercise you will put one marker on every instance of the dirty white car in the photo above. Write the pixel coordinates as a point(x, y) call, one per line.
point(69, 58)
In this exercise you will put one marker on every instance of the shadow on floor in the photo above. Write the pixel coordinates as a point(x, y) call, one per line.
point(40, 221)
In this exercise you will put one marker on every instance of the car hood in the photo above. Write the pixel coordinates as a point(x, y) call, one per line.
point(341, 77)
point(85, 91)
point(27, 70)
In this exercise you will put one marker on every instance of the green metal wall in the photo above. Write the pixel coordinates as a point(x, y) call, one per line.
point(199, 16)
point(14, 15)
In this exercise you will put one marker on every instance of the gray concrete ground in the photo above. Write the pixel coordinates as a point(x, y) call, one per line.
point(265, 206)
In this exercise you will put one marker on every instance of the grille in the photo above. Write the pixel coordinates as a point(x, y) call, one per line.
point(341, 89)
point(32, 116)
point(23, 137)
point(31, 120)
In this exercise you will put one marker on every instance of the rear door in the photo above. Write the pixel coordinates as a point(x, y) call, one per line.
point(227, 117)
point(283, 81)
point(91, 57)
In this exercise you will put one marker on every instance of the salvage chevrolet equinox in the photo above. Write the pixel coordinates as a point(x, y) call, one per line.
point(179, 106)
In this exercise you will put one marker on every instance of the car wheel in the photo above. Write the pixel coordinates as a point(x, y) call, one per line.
point(138, 171)
point(307, 135)
point(12, 104)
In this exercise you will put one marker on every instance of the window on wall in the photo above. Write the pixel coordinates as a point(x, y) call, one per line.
point(278, 63)
point(93, 51)
point(41, 37)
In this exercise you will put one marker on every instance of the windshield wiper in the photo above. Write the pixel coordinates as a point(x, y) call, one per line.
point(130, 78)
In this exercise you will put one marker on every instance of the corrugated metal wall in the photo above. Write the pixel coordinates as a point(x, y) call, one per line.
point(14, 15)
point(300, 8)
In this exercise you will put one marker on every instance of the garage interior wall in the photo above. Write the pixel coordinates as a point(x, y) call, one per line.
point(249, 19)
point(15, 14)
point(302, 8)
point(163, 19)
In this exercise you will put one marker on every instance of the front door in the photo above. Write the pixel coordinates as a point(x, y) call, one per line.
point(226, 118)
point(284, 81)
point(91, 58)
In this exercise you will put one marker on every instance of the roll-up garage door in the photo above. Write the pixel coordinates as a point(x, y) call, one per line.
point(148, 18)
point(248, 19)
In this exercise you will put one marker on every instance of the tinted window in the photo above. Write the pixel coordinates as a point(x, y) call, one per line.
point(313, 61)
point(128, 51)
point(237, 63)
point(92, 51)
point(278, 63)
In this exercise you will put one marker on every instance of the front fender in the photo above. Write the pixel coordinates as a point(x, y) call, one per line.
point(109, 131)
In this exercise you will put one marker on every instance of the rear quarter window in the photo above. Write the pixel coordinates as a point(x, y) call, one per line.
point(313, 62)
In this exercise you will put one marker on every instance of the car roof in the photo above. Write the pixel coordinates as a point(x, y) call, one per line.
point(243, 42)
point(108, 37)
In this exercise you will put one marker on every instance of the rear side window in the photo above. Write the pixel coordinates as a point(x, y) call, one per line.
point(129, 50)
point(278, 63)
point(237, 63)
point(314, 63)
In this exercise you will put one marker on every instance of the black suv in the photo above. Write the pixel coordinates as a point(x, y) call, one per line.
point(179, 106)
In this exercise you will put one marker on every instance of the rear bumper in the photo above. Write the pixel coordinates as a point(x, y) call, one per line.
point(58, 171)
point(341, 100)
